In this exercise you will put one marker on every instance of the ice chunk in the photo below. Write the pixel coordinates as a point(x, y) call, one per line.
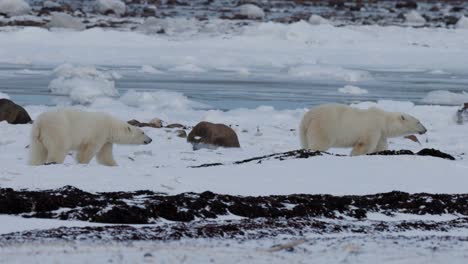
point(150, 69)
point(62, 20)
point(116, 6)
point(318, 20)
point(188, 68)
point(4, 96)
point(14, 7)
point(445, 98)
point(251, 11)
point(350, 89)
point(328, 72)
point(159, 100)
point(414, 18)
point(462, 23)
point(83, 83)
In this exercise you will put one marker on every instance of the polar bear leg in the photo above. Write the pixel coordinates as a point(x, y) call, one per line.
point(105, 157)
point(38, 154)
point(365, 145)
point(56, 154)
point(86, 153)
point(382, 145)
point(318, 142)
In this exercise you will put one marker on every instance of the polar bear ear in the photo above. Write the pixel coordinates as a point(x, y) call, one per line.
point(403, 117)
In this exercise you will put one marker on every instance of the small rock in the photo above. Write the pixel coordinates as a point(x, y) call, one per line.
point(156, 122)
point(181, 133)
point(13, 113)
point(407, 4)
point(434, 9)
point(175, 126)
point(206, 133)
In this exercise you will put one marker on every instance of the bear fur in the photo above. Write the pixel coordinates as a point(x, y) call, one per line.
point(342, 126)
point(55, 133)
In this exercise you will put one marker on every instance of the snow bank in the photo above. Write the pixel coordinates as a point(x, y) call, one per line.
point(462, 23)
point(14, 7)
point(105, 6)
point(159, 100)
point(251, 11)
point(83, 84)
point(318, 20)
point(269, 46)
point(445, 98)
point(350, 89)
point(414, 18)
point(328, 72)
point(4, 96)
point(63, 20)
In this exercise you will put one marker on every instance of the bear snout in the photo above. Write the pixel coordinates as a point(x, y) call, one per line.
point(423, 130)
point(147, 141)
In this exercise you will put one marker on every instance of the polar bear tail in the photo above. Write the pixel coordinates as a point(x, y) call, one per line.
point(38, 153)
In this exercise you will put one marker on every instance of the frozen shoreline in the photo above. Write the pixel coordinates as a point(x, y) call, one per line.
point(300, 49)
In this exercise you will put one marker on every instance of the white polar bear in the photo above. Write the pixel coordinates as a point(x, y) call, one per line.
point(55, 133)
point(342, 126)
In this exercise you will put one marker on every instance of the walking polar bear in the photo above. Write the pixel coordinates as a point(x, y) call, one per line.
point(55, 133)
point(342, 126)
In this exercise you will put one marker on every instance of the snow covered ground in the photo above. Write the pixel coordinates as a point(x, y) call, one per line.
point(294, 51)
point(163, 165)
point(410, 248)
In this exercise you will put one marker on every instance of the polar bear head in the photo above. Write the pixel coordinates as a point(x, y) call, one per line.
point(129, 134)
point(405, 124)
